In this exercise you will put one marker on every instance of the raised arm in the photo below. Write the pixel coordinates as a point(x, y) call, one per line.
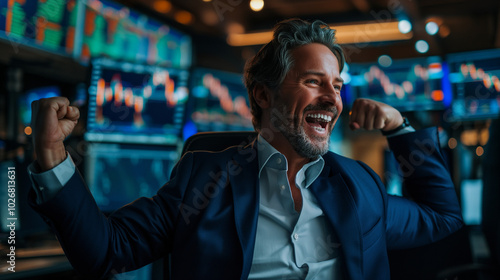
point(433, 211)
point(96, 245)
point(52, 119)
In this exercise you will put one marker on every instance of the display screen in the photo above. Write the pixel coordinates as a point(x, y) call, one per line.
point(119, 174)
point(471, 190)
point(117, 32)
point(408, 85)
point(48, 24)
point(218, 101)
point(133, 103)
point(474, 78)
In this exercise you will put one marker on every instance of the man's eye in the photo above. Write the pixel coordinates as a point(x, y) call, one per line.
point(312, 81)
point(336, 87)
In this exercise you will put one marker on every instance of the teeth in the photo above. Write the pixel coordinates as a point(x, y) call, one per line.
point(320, 116)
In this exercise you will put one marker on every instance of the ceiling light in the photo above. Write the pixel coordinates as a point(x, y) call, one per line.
point(404, 26)
point(209, 17)
point(256, 5)
point(444, 31)
point(452, 143)
point(28, 130)
point(479, 151)
point(162, 6)
point(183, 17)
point(345, 34)
point(432, 28)
point(385, 60)
point(235, 28)
point(422, 46)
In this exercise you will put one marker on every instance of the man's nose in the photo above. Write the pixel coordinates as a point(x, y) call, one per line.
point(330, 95)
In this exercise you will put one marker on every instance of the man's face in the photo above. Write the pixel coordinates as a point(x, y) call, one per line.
point(308, 103)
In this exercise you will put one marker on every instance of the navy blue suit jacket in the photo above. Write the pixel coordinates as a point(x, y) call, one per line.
point(206, 215)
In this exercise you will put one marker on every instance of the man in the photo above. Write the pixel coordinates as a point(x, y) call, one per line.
point(282, 207)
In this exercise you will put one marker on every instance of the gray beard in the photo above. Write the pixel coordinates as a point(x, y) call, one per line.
point(290, 127)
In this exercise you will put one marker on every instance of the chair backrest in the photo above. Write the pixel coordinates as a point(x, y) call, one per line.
point(218, 141)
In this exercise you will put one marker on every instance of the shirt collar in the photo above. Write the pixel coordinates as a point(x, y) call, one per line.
point(266, 152)
point(309, 172)
point(270, 157)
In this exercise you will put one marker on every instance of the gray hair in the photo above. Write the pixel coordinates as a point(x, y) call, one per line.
point(272, 63)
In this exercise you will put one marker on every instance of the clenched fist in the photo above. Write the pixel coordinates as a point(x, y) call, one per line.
point(370, 114)
point(52, 120)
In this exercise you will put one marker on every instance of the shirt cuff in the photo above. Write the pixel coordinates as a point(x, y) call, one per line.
point(405, 130)
point(47, 184)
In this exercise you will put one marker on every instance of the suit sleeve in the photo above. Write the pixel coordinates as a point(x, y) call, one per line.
point(129, 238)
point(433, 212)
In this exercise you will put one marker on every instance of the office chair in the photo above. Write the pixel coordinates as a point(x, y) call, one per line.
point(218, 141)
point(206, 141)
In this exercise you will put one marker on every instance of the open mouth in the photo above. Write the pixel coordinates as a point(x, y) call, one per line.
point(318, 121)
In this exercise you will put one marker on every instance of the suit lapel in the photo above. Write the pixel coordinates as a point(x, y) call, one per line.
point(331, 192)
point(334, 197)
point(243, 170)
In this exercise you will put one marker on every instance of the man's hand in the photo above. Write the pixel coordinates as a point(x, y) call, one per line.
point(52, 120)
point(370, 114)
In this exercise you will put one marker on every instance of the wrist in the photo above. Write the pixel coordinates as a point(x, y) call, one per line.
point(50, 158)
point(404, 125)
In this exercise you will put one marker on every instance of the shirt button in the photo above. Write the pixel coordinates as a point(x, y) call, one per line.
point(295, 236)
point(278, 161)
point(282, 187)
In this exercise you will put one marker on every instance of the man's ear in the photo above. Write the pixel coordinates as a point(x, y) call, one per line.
point(262, 96)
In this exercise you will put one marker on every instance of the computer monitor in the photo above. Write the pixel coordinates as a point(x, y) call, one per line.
point(114, 30)
point(135, 103)
point(475, 82)
point(407, 84)
point(47, 25)
point(118, 174)
point(471, 191)
point(218, 101)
